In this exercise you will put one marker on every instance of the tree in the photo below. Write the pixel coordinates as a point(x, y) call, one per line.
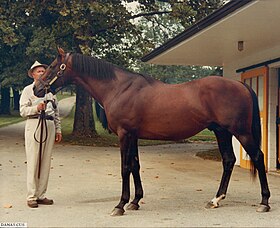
point(14, 36)
point(84, 125)
point(177, 74)
point(5, 103)
point(100, 28)
point(106, 29)
point(176, 17)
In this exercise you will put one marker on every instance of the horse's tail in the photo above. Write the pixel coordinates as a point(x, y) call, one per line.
point(101, 115)
point(256, 123)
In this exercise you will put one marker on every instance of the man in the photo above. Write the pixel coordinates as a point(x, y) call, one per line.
point(38, 168)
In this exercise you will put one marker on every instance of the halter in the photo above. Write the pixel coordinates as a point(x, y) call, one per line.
point(59, 74)
point(62, 68)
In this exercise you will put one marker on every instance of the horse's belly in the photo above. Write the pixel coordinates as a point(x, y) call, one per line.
point(170, 132)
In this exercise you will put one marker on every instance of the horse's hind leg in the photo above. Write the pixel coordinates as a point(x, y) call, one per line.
point(257, 158)
point(224, 139)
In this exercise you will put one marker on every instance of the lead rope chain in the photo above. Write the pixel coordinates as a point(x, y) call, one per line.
point(42, 124)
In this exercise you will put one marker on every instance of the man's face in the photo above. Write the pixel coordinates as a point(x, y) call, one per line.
point(37, 72)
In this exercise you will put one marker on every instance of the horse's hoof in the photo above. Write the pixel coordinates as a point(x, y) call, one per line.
point(211, 205)
point(117, 212)
point(263, 208)
point(133, 206)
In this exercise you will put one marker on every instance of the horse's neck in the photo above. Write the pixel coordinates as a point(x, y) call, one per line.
point(104, 91)
point(96, 88)
point(100, 90)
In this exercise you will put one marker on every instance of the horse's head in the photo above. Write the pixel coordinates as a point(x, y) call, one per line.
point(54, 77)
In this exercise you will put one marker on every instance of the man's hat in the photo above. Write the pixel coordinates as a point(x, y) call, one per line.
point(35, 64)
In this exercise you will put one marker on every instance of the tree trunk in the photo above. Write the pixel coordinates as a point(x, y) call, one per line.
point(84, 125)
point(5, 101)
point(16, 99)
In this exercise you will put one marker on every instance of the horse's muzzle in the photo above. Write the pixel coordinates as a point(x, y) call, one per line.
point(38, 92)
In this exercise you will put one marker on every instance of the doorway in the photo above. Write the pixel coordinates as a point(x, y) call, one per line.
point(257, 79)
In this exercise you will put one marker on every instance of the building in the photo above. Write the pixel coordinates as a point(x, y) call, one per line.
point(244, 38)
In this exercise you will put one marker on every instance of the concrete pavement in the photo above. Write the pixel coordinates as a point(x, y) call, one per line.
point(85, 183)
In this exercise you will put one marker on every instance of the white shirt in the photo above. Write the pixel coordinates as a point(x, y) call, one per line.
point(28, 105)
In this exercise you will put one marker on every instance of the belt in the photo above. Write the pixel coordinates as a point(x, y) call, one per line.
point(36, 117)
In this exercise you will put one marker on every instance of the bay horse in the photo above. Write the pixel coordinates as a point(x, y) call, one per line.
point(141, 107)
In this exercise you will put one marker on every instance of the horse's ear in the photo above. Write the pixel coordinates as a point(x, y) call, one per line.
point(60, 51)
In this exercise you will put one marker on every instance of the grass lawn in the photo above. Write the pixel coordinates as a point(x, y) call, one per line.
point(6, 120)
point(15, 117)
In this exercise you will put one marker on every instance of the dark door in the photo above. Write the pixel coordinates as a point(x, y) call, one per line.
point(278, 123)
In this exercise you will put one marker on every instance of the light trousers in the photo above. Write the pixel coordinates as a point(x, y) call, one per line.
point(37, 187)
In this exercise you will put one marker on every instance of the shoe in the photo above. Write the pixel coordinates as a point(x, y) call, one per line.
point(32, 203)
point(45, 201)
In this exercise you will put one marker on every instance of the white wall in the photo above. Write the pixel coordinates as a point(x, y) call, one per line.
point(272, 104)
point(268, 54)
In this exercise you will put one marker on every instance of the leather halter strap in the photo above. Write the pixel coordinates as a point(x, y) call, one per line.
point(62, 68)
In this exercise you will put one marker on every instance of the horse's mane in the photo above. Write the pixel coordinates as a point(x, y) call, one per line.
point(148, 78)
point(98, 68)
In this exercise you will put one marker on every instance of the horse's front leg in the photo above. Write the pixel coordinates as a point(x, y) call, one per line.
point(125, 171)
point(135, 169)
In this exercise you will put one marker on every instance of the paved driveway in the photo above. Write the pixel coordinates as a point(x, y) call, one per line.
point(85, 184)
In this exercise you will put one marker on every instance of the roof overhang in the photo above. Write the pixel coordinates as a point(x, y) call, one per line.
point(213, 41)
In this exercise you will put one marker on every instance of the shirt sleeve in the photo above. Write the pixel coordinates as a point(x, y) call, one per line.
point(57, 121)
point(26, 107)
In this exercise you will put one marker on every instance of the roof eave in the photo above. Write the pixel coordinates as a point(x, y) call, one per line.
point(217, 15)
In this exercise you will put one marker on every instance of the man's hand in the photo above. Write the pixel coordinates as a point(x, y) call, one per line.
point(41, 106)
point(58, 137)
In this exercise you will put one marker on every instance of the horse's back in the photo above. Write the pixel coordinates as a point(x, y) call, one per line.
point(182, 110)
point(171, 111)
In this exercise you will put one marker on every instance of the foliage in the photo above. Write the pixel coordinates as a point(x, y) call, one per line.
point(176, 17)
point(31, 30)
point(163, 19)
point(178, 74)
